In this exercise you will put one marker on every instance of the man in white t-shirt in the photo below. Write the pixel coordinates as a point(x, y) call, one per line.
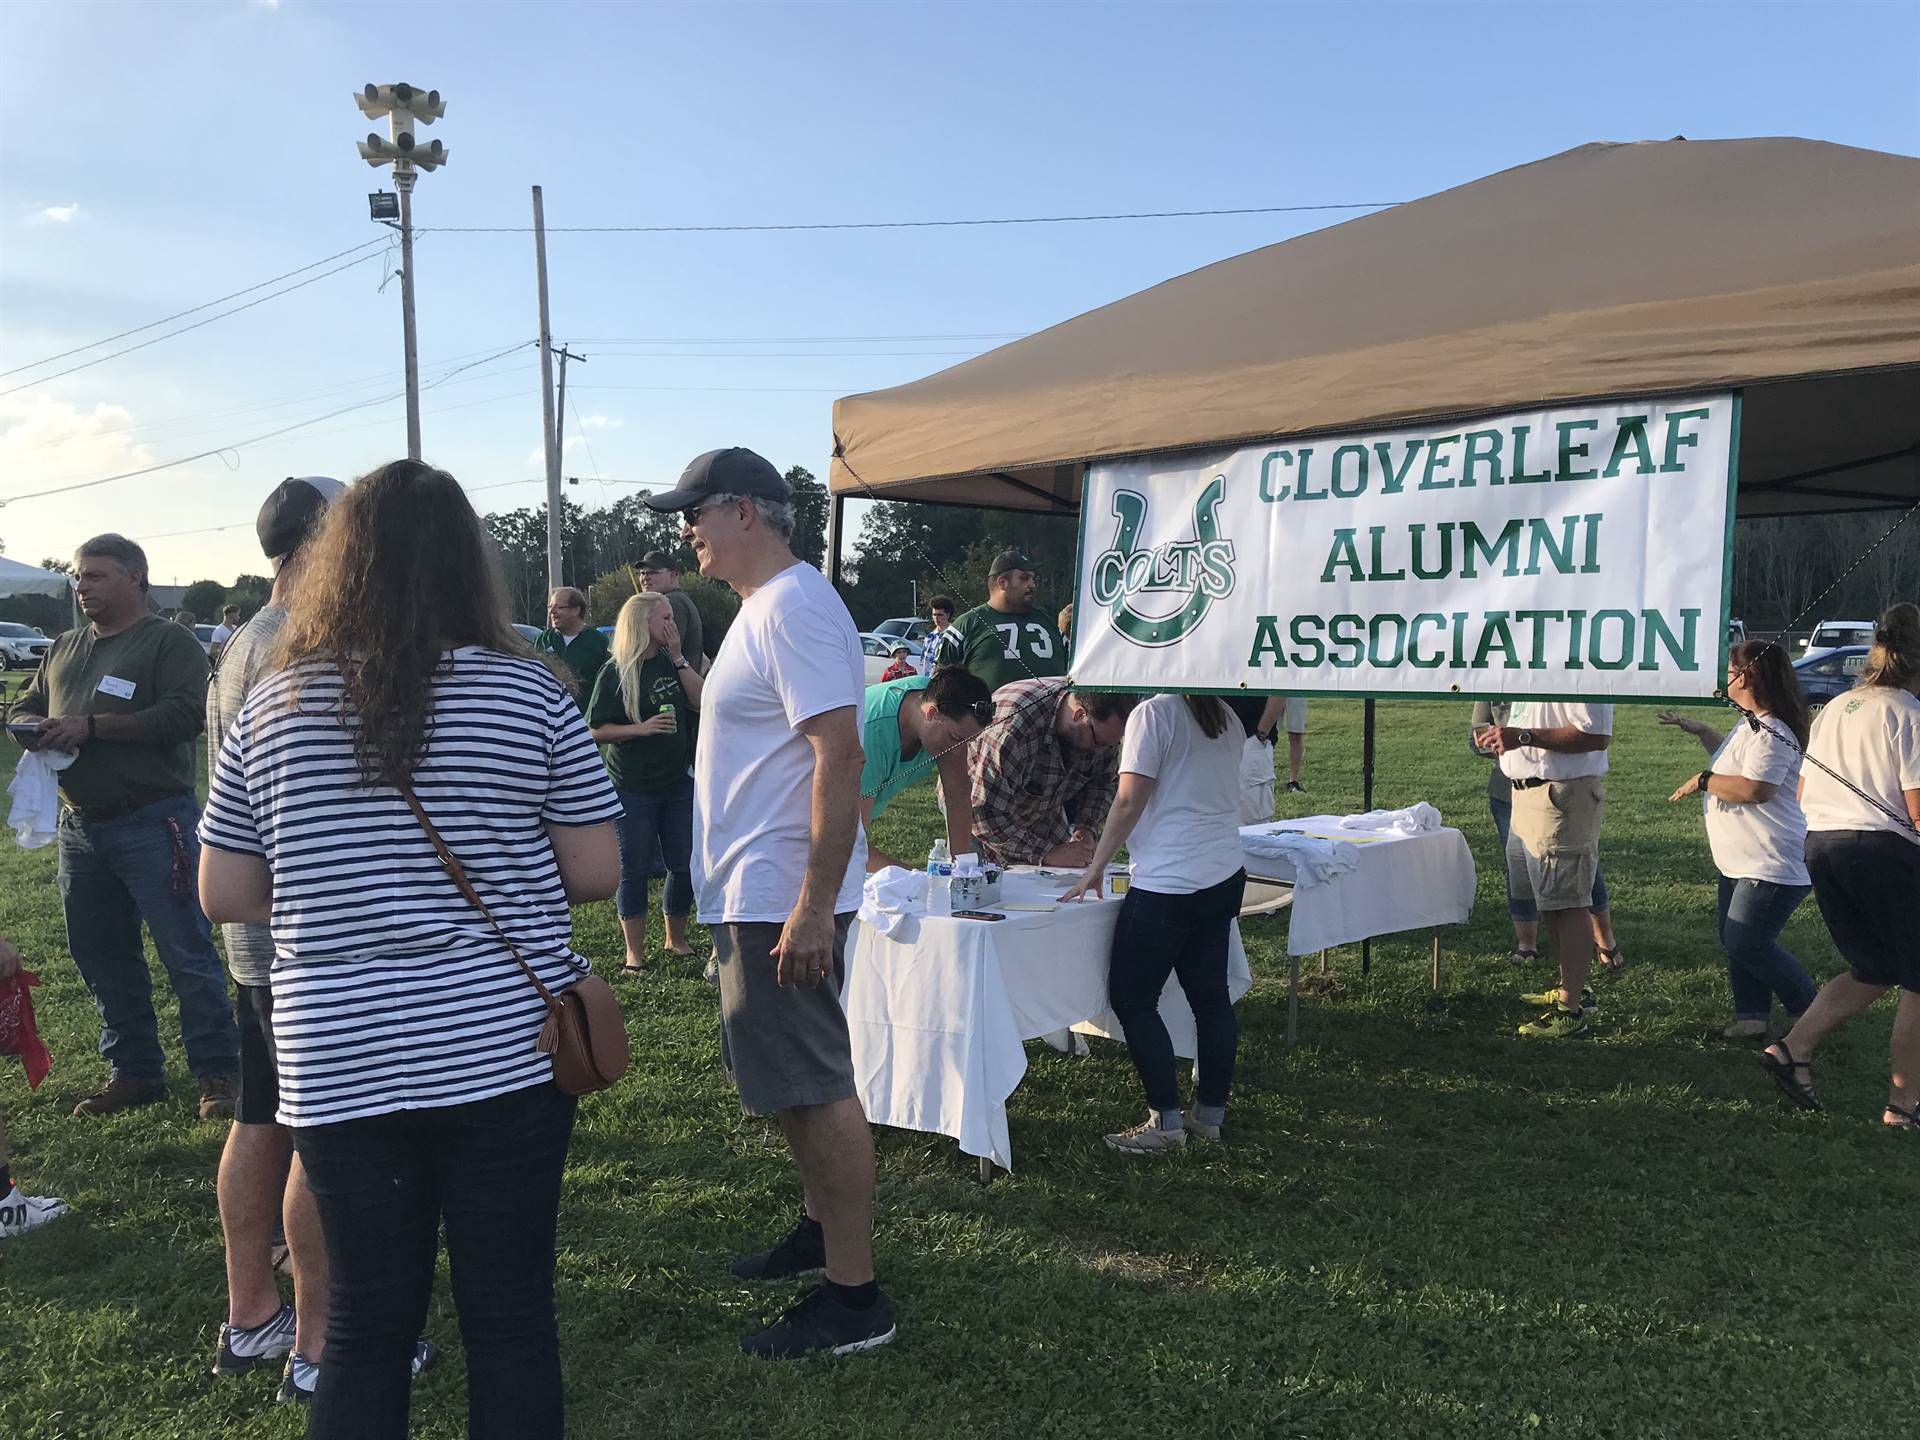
point(223, 632)
point(778, 862)
point(1555, 754)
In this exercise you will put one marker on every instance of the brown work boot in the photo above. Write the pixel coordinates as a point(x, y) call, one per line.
point(217, 1094)
point(119, 1094)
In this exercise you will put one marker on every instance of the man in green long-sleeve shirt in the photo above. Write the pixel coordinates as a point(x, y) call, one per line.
point(126, 695)
point(571, 641)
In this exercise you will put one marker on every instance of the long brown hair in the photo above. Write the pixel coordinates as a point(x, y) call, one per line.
point(1775, 687)
point(1210, 713)
point(1895, 657)
point(400, 572)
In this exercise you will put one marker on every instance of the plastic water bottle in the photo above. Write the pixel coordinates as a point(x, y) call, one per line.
point(939, 880)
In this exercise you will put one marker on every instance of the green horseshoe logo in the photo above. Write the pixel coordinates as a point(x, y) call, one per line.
point(1202, 567)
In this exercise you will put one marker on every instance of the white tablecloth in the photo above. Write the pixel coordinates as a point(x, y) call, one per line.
point(1404, 882)
point(938, 1012)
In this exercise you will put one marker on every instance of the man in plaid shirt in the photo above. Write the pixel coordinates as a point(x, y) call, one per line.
point(1045, 771)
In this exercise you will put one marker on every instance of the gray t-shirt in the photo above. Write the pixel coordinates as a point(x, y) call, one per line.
point(243, 662)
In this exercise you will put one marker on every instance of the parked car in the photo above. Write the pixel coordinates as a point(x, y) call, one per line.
point(909, 627)
point(1830, 635)
point(204, 634)
point(528, 633)
point(1831, 673)
point(21, 646)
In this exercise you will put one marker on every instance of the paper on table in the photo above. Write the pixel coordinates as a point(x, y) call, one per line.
point(1036, 909)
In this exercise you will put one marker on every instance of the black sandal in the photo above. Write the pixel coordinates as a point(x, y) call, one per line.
point(1517, 956)
point(1610, 961)
point(1782, 1072)
point(1909, 1118)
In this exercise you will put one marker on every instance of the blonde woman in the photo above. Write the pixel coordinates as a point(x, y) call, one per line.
point(641, 713)
point(1861, 794)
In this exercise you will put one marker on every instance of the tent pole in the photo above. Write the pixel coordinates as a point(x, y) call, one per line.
point(836, 521)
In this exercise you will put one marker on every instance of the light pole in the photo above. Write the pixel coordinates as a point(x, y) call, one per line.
point(403, 105)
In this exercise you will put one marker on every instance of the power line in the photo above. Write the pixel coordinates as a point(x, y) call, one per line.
point(901, 224)
point(252, 440)
point(182, 314)
point(116, 354)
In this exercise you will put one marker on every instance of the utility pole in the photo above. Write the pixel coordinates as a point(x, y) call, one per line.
point(546, 394)
point(560, 412)
point(404, 105)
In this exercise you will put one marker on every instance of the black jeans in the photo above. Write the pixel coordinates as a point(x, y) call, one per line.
point(1184, 935)
point(491, 1171)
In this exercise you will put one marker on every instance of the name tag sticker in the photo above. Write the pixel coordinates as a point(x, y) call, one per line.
point(113, 685)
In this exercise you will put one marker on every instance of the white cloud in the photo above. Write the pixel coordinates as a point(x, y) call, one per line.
point(264, 4)
point(56, 214)
point(537, 457)
point(601, 422)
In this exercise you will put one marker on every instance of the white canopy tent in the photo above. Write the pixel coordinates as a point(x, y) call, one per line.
point(18, 579)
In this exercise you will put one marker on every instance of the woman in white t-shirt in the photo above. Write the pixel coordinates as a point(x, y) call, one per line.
point(1178, 812)
point(1861, 793)
point(1751, 794)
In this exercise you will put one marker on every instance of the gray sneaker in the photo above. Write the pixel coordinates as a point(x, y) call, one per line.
point(1148, 1138)
point(1199, 1129)
point(242, 1350)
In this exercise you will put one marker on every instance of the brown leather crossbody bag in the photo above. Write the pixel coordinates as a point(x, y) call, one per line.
point(584, 1033)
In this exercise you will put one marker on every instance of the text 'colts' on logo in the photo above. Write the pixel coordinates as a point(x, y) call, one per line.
point(1201, 569)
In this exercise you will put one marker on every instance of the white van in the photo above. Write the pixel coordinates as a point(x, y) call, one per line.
point(1831, 635)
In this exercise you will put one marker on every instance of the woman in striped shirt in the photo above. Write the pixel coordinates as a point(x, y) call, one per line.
point(404, 1030)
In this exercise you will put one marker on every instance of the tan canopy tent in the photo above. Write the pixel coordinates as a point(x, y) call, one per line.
point(1787, 268)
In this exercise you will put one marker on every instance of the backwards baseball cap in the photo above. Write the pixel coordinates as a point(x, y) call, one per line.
point(287, 520)
point(658, 560)
point(1009, 560)
point(737, 471)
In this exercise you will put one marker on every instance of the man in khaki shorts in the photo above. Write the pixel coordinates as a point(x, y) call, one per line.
point(1555, 753)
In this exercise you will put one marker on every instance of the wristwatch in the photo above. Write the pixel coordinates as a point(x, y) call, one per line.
point(1526, 737)
point(1705, 776)
point(680, 663)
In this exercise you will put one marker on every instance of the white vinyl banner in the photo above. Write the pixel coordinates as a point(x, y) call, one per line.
point(1579, 552)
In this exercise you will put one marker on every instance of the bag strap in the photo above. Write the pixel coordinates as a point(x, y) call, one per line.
point(457, 873)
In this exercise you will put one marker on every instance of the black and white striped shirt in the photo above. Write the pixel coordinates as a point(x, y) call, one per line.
point(390, 992)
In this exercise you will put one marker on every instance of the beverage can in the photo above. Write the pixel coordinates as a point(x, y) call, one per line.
point(1119, 878)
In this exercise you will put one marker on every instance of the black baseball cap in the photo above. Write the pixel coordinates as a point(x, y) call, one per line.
point(1010, 560)
point(737, 471)
point(658, 560)
point(291, 512)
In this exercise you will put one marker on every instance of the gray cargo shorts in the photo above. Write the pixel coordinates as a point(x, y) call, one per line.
point(783, 1046)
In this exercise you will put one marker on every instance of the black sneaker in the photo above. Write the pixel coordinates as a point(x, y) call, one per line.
point(1294, 787)
point(821, 1325)
point(249, 1349)
point(801, 1251)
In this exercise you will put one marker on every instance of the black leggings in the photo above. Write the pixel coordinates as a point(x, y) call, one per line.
point(491, 1171)
point(1185, 935)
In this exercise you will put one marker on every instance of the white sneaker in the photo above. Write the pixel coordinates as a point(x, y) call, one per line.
point(1199, 1129)
point(21, 1213)
point(1149, 1137)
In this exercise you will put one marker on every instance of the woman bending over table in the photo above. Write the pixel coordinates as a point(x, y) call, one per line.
point(1751, 792)
point(1178, 812)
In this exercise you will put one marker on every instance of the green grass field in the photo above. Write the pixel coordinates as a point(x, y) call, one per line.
point(1420, 1226)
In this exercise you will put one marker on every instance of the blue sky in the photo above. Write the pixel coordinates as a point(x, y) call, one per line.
point(160, 155)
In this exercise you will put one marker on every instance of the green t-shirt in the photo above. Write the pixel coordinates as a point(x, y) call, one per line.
point(885, 774)
point(583, 655)
point(154, 669)
point(653, 763)
point(1002, 648)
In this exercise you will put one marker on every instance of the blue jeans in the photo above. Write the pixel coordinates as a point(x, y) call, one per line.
point(1522, 907)
point(490, 1170)
point(656, 829)
point(1752, 915)
point(114, 874)
point(1185, 935)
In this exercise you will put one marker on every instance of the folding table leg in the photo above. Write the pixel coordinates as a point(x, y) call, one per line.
point(1436, 962)
point(1293, 997)
point(987, 1170)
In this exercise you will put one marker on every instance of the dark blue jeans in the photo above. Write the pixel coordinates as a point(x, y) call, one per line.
point(1752, 915)
point(115, 874)
point(491, 1171)
point(656, 829)
point(1185, 935)
point(1522, 907)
